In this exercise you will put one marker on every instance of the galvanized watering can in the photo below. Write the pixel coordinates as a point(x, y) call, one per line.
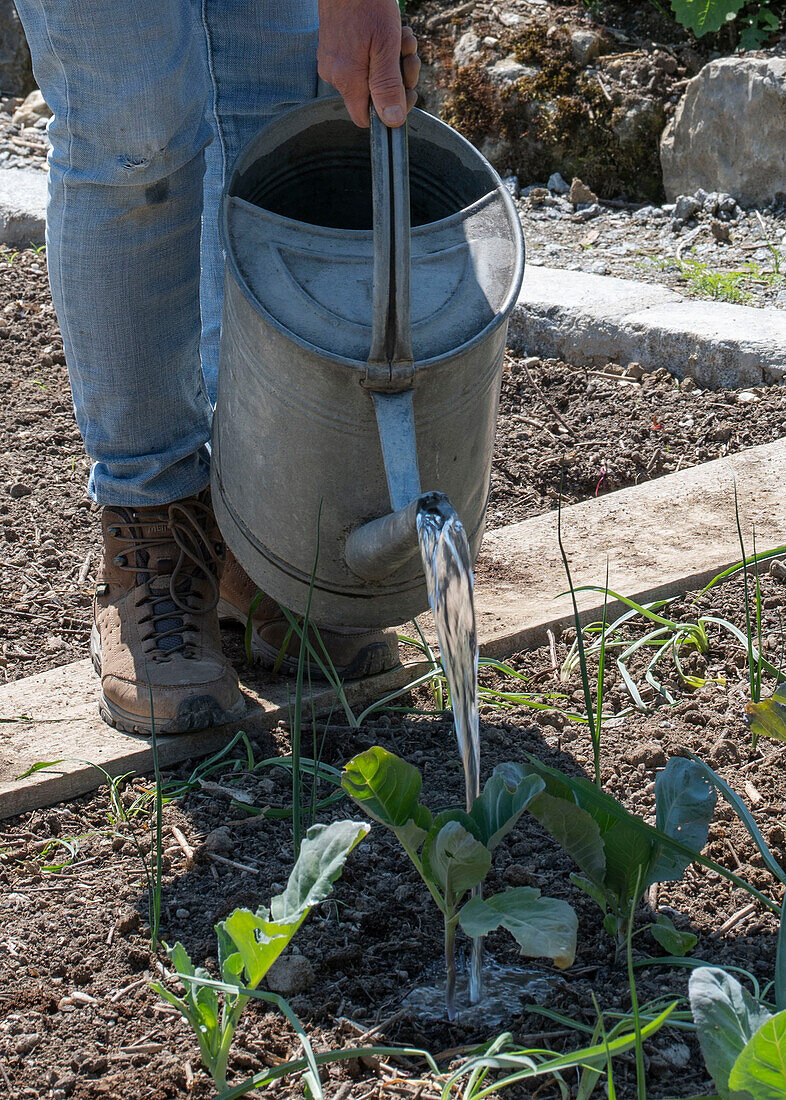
point(361, 358)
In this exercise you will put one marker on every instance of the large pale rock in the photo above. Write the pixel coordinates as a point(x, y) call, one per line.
point(16, 74)
point(34, 108)
point(22, 206)
point(729, 131)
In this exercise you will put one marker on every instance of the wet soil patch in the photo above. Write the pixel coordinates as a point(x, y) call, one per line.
point(77, 1016)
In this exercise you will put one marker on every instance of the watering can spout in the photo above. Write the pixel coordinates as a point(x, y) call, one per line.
point(378, 548)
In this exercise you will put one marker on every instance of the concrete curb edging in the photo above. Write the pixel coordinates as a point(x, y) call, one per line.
point(590, 319)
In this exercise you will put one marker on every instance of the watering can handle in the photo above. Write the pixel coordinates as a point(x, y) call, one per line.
point(390, 366)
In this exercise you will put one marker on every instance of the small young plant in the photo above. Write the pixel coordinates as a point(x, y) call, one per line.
point(751, 617)
point(743, 1043)
point(249, 943)
point(594, 708)
point(618, 854)
point(452, 852)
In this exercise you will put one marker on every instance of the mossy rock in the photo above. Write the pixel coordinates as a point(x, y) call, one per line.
point(560, 119)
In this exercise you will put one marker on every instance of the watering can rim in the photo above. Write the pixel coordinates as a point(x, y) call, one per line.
point(317, 106)
point(360, 234)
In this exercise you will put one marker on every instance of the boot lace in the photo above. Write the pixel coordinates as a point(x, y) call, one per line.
point(169, 588)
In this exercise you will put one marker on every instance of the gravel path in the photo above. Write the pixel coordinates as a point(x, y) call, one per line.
point(643, 243)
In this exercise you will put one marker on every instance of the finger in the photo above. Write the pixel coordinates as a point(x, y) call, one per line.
point(357, 106)
point(412, 98)
point(385, 82)
point(409, 44)
point(410, 70)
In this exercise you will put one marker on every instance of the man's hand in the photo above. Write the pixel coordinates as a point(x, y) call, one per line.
point(365, 53)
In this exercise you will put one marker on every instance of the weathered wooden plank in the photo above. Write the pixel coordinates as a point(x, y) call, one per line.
point(54, 716)
point(660, 538)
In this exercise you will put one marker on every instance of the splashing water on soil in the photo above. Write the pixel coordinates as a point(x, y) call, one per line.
point(448, 567)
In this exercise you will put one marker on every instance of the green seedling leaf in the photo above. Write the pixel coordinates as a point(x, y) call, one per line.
point(761, 1068)
point(199, 1005)
point(257, 943)
point(542, 927)
point(416, 829)
point(597, 893)
point(726, 1018)
point(248, 945)
point(323, 854)
point(41, 765)
point(571, 826)
point(670, 938)
point(454, 860)
point(597, 833)
point(251, 942)
point(780, 962)
point(387, 789)
point(606, 811)
point(629, 859)
point(705, 16)
point(684, 806)
point(504, 799)
point(768, 717)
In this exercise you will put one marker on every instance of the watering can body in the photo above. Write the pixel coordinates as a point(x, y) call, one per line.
point(315, 433)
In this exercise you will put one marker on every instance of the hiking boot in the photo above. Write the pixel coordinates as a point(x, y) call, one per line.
point(155, 641)
point(354, 653)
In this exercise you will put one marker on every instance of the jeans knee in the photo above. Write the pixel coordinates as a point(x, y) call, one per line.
point(125, 152)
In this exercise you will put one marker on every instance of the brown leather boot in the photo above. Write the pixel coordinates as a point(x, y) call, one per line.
point(354, 653)
point(155, 641)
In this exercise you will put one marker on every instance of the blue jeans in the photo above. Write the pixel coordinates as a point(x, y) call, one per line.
point(152, 100)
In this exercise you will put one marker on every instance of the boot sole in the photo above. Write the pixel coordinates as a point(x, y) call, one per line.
point(198, 712)
point(372, 660)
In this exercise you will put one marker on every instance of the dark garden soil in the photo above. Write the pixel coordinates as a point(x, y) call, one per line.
point(612, 428)
point(77, 1016)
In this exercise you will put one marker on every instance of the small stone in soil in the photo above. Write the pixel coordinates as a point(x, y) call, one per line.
point(648, 753)
point(579, 193)
point(291, 974)
point(19, 489)
point(220, 841)
point(127, 920)
point(557, 184)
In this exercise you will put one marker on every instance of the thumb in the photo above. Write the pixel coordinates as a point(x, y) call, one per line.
point(385, 82)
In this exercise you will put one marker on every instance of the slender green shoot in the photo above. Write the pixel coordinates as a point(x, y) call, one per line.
point(754, 656)
point(580, 639)
point(154, 876)
point(597, 721)
point(641, 1079)
point(297, 822)
point(256, 600)
point(440, 686)
point(777, 259)
point(765, 555)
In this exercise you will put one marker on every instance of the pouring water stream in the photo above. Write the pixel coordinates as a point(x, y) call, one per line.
point(448, 568)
